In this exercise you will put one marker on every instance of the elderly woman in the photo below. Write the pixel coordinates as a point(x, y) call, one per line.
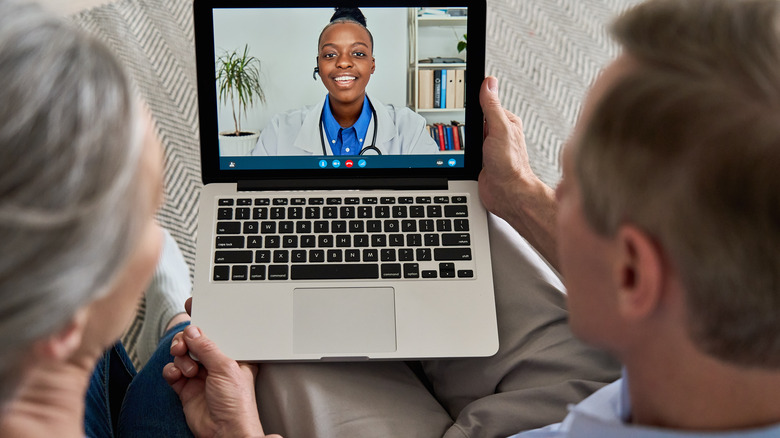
point(80, 182)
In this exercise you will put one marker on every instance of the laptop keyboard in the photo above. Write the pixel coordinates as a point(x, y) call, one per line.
point(338, 238)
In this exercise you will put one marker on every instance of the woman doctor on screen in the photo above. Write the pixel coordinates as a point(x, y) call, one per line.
point(347, 122)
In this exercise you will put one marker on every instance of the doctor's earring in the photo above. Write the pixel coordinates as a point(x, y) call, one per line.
point(314, 75)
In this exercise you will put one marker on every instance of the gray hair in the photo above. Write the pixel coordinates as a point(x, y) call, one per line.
point(687, 147)
point(71, 134)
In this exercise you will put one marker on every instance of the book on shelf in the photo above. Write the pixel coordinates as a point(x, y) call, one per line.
point(443, 92)
point(451, 74)
point(448, 137)
point(460, 88)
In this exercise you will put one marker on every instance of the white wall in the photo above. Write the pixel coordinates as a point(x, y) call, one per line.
point(285, 41)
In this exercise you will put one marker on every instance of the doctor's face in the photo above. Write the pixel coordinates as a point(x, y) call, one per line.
point(345, 61)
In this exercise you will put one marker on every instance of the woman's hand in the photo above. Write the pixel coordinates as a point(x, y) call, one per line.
point(217, 394)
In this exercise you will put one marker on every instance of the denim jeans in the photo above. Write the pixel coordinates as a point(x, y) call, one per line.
point(121, 402)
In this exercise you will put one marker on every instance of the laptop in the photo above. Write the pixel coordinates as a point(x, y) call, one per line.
point(306, 252)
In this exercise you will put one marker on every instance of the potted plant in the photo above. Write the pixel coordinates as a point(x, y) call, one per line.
point(238, 82)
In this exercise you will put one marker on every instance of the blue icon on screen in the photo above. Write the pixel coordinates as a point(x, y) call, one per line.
point(336, 163)
point(323, 164)
point(451, 162)
point(362, 163)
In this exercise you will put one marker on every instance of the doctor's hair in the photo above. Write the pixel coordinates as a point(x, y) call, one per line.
point(70, 147)
point(348, 15)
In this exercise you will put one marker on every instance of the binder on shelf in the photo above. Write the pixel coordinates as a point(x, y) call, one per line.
point(443, 93)
point(437, 89)
point(460, 88)
point(425, 89)
point(450, 144)
point(451, 89)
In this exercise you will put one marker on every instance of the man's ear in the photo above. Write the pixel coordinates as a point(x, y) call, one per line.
point(639, 273)
point(63, 343)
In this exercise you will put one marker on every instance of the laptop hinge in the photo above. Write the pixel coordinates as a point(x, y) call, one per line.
point(345, 184)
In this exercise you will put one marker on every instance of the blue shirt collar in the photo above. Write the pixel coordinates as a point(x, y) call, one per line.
point(332, 127)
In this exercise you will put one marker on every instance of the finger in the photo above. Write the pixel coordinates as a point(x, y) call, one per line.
point(174, 377)
point(495, 117)
point(187, 366)
point(188, 306)
point(206, 350)
point(178, 347)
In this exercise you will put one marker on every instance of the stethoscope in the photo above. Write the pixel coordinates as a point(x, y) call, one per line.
point(367, 150)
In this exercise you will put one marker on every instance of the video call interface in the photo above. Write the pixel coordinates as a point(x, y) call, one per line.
point(412, 75)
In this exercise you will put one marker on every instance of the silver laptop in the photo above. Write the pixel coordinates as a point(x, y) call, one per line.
point(322, 237)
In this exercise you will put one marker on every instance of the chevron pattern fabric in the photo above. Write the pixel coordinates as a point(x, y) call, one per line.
point(545, 53)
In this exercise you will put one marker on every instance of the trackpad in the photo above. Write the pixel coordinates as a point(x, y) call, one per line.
point(336, 321)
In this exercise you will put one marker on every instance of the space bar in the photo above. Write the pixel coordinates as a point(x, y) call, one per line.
point(333, 271)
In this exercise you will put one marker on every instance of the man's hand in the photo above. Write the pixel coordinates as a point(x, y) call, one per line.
point(218, 395)
point(507, 185)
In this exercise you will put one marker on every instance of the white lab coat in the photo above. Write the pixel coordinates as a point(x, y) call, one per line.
point(297, 132)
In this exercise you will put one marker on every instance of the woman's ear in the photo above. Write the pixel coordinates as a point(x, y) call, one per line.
point(63, 343)
point(639, 273)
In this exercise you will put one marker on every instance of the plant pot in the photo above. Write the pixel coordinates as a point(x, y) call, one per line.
point(237, 146)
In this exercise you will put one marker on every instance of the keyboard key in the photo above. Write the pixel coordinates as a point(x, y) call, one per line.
point(278, 213)
point(226, 242)
point(360, 240)
point(268, 227)
point(387, 200)
point(400, 211)
point(262, 201)
point(223, 257)
point(460, 225)
point(426, 225)
point(356, 226)
point(441, 199)
point(456, 211)
point(378, 240)
point(330, 212)
point(250, 227)
point(343, 241)
point(352, 255)
point(424, 255)
point(321, 227)
point(433, 211)
point(391, 226)
point(316, 255)
point(370, 200)
point(411, 270)
point(408, 226)
point(316, 201)
point(391, 270)
point(462, 239)
point(458, 199)
point(313, 212)
point(352, 200)
point(413, 240)
point(225, 202)
point(277, 272)
point(338, 227)
point(295, 212)
point(259, 213)
point(281, 256)
point(445, 254)
point(447, 270)
point(335, 256)
point(431, 240)
point(222, 272)
point(465, 273)
point(228, 227)
point(243, 213)
point(308, 241)
point(333, 201)
point(254, 242)
point(370, 255)
point(406, 200)
point(263, 256)
point(416, 211)
point(290, 241)
point(423, 199)
point(272, 241)
point(443, 225)
point(225, 214)
point(303, 227)
point(429, 274)
point(244, 201)
point(298, 256)
point(387, 255)
point(365, 212)
point(286, 227)
point(382, 211)
point(395, 239)
point(374, 226)
point(239, 273)
point(347, 212)
point(280, 201)
point(257, 272)
point(335, 271)
point(298, 201)
point(325, 241)
point(406, 254)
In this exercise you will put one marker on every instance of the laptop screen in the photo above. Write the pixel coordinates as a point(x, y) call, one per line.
point(313, 88)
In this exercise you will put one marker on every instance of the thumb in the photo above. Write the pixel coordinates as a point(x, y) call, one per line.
point(495, 116)
point(205, 350)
